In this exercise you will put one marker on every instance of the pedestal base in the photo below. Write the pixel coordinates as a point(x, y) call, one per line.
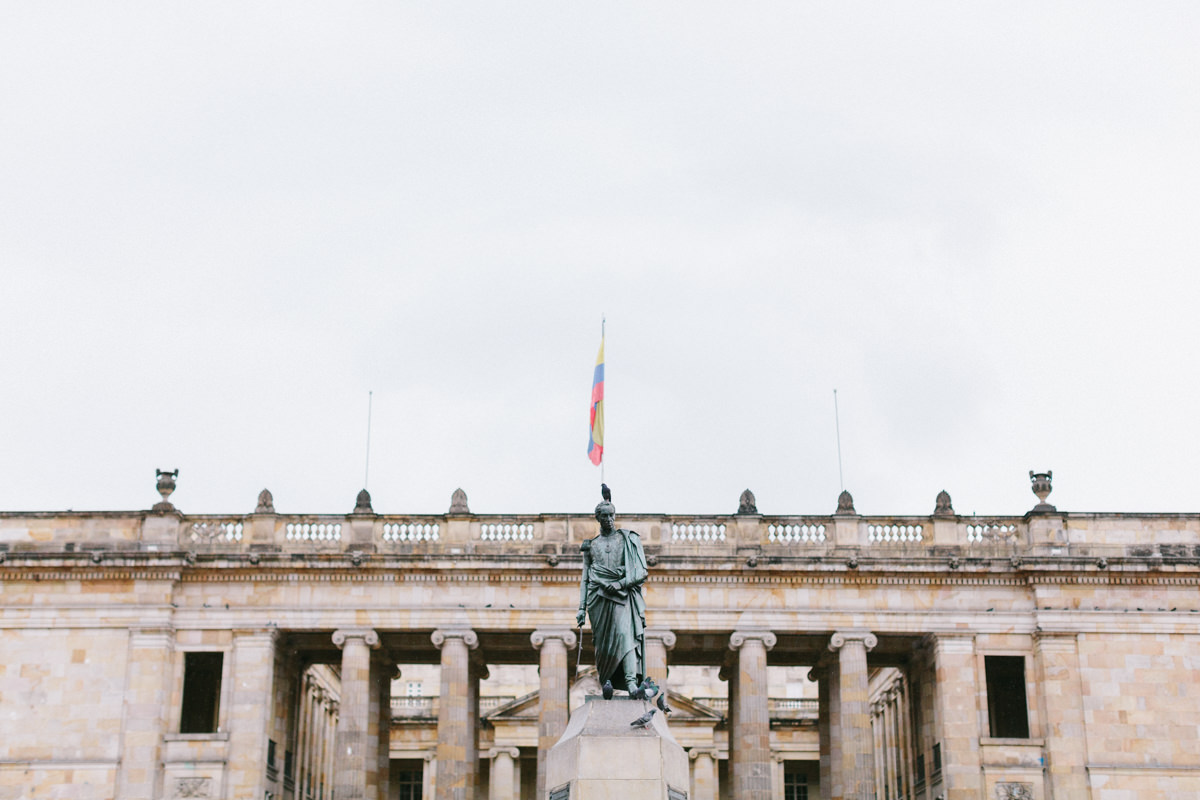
point(602, 757)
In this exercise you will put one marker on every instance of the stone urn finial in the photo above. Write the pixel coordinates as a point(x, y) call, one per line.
point(458, 503)
point(845, 503)
point(747, 504)
point(1042, 488)
point(166, 485)
point(941, 505)
point(266, 503)
point(362, 503)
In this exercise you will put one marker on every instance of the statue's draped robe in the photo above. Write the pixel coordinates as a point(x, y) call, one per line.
point(618, 618)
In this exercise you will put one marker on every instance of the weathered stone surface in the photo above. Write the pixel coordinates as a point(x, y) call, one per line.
point(602, 756)
point(1102, 607)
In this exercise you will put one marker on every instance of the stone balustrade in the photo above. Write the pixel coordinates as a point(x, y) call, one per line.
point(759, 539)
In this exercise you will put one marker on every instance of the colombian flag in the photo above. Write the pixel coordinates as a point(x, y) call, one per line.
point(596, 441)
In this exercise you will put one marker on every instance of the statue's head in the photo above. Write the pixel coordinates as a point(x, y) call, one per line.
point(606, 515)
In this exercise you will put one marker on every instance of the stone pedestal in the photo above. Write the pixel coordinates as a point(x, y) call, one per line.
point(602, 757)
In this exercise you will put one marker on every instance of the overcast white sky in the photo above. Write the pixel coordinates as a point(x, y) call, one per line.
point(221, 225)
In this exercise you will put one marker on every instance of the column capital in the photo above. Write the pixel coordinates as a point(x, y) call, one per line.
point(962, 643)
point(469, 637)
point(152, 637)
point(539, 637)
point(711, 752)
point(818, 673)
point(739, 638)
point(839, 640)
point(663, 635)
point(512, 752)
point(267, 635)
point(1055, 640)
point(369, 637)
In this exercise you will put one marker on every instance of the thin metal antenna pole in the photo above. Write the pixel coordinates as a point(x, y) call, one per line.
point(838, 428)
point(367, 469)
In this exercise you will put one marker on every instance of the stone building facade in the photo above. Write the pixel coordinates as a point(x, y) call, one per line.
point(160, 654)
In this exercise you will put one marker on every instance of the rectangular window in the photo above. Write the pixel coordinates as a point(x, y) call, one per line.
point(1007, 710)
point(414, 689)
point(201, 692)
point(289, 771)
point(408, 785)
point(795, 786)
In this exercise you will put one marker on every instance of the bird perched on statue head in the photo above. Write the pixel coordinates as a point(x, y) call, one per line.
point(606, 493)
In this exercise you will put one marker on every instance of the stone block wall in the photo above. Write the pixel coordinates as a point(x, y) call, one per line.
point(1141, 700)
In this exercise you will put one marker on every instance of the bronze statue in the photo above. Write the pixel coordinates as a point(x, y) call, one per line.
point(610, 594)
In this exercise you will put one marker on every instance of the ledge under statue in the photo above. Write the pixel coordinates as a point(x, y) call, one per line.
point(617, 747)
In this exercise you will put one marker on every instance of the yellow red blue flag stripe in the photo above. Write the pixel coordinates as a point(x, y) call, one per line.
point(596, 432)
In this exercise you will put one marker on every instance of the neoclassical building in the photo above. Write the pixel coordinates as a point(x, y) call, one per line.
point(160, 654)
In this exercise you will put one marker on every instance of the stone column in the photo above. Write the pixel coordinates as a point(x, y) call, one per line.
point(555, 645)
point(356, 757)
point(956, 703)
point(380, 721)
point(251, 711)
point(329, 744)
point(457, 752)
point(879, 727)
point(777, 771)
point(476, 672)
point(852, 759)
point(147, 679)
point(749, 723)
point(892, 774)
point(502, 782)
point(429, 775)
point(820, 676)
point(704, 774)
point(1061, 712)
point(658, 643)
point(904, 734)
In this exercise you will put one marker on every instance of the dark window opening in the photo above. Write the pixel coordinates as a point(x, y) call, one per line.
point(406, 782)
point(272, 767)
point(1007, 710)
point(937, 760)
point(920, 777)
point(795, 786)
point(289, 771)
point(201, 692)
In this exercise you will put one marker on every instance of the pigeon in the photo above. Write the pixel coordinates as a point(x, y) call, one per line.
point(606, 493)
point(607, 690)
point(646, 690)
point(644, 719)
point(662, 703)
